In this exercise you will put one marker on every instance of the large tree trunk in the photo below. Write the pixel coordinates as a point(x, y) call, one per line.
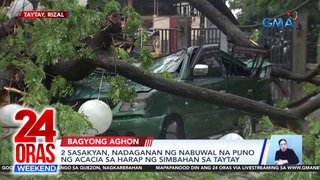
point(221, 21)
point(221, 6)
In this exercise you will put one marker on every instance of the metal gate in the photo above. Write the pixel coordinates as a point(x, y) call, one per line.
point(197, 36)
point(205, 36)
point(168, 40)
point(279, 41)
point(312, 43)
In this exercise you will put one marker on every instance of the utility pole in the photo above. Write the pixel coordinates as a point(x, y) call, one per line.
point(154, 8)
point(299, 52)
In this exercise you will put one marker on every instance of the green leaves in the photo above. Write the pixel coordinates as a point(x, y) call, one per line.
point(311, 141)
point(34, 75)
point(282, 103)
point(70, 122)
point(37, 96)
point(60, 87)
point(111, 6)
point(3, 17)
point(309, 88)
point(6, 146)
point(133, 21)
point(6, 149)
point(119, 91)
point(146, 59)
point(84, 52)
point(264, 129)
point(61, 38)
point(122, 54)
point(166, 74)
point(255, 11)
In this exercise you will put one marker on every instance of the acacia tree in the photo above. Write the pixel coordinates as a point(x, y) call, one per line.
point(52, 52)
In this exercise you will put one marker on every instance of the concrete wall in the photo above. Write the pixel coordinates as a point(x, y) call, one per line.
point(161, 22)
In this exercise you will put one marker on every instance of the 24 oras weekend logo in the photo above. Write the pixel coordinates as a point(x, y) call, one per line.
point(34, 143)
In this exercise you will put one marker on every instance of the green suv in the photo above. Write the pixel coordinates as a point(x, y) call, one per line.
point(163, 115)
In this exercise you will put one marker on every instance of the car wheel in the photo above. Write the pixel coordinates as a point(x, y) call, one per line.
point(173, 129)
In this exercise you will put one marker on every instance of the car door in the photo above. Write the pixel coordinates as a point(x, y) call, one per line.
point(211, 119)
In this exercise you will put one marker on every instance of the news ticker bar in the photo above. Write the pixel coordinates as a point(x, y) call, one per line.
point(151, 168)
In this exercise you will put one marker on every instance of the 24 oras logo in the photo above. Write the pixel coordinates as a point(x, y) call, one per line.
point(32, 155)
point(281, 22)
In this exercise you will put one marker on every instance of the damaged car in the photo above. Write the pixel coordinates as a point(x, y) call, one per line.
point(244, 72)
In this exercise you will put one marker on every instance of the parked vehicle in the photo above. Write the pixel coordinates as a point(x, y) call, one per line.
point(163, 115)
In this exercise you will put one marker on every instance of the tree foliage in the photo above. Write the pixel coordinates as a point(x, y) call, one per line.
point(47, 41)
point(252, 12)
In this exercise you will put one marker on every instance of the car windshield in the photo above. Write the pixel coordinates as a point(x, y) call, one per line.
point(168, 63)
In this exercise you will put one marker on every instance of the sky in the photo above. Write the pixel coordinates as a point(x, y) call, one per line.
point(233, 11)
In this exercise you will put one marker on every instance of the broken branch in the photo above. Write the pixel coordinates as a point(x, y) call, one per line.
point(302, 100)
point(309, 77)
point(15, 91)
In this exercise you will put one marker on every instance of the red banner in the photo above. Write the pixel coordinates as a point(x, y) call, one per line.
point(106, 141)
point(43, 14)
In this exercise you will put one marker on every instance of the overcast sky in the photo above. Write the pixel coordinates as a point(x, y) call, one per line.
point(233, 11)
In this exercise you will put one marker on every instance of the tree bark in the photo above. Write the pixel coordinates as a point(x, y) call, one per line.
point(222, 22)
point(308, 107)
point(309, 77)
point(221, 6)
point(302, 100)
point(72, 70)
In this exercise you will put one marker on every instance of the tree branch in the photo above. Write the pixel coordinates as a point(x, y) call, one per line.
point(308, 107)
point(8, 28)
point(15, 91)
point(277, 82)
point(309, 77)
point(302, 100)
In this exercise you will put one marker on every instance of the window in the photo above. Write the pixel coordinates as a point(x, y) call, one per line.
point(210, 57)
point(169, 63)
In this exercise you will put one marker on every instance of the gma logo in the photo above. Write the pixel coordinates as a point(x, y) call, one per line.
point(277, 22)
